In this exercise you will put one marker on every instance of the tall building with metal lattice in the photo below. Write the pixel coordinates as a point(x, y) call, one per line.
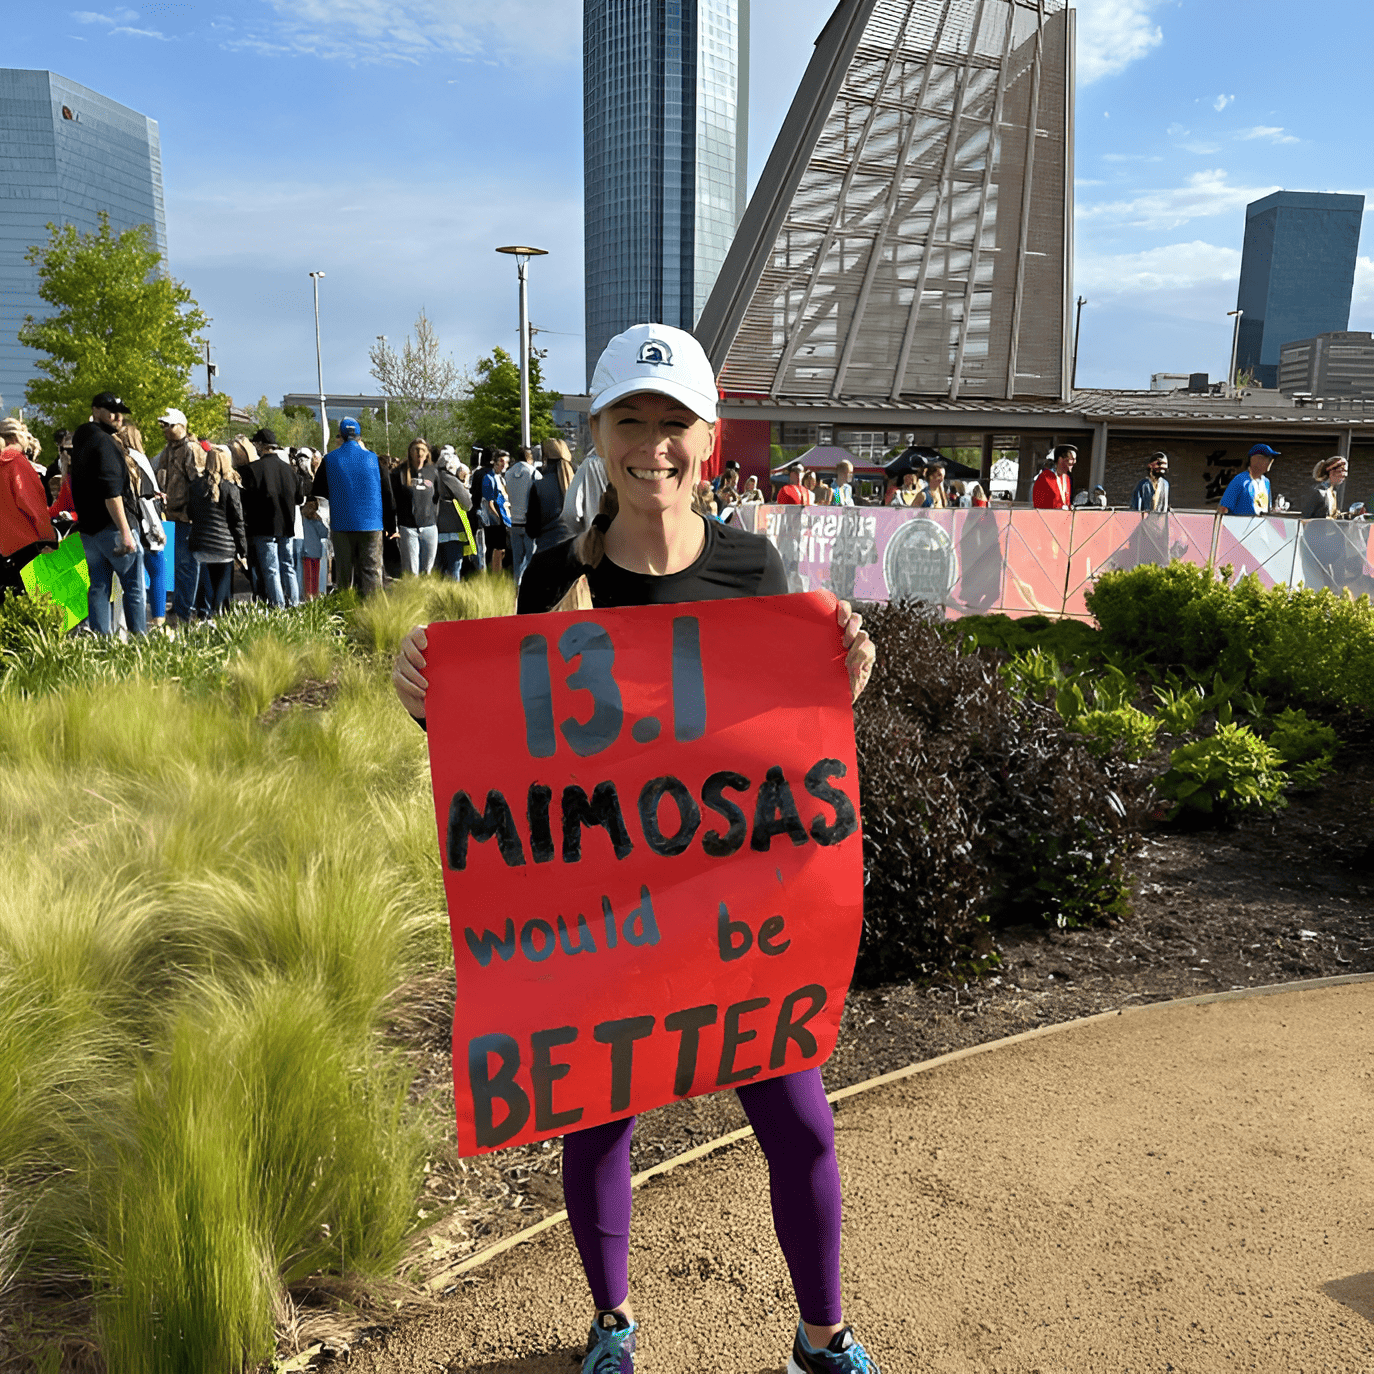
point(665, 115)
point(911, 233)
point(69, 153)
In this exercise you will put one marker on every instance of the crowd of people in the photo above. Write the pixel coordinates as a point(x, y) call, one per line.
point(294, 522)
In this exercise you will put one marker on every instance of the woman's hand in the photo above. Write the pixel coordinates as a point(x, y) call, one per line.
point(860, 652)
point(408, 678)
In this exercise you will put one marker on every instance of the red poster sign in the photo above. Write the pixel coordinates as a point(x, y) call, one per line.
point(649, 826)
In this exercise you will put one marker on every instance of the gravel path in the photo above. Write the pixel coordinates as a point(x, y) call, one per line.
point(1181, 1187)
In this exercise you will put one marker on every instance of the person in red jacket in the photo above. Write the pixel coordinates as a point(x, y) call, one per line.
point(1053, 488)
point(793, 493)
point(24, 524)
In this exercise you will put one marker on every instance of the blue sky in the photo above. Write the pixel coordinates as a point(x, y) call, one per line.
point(395, 143)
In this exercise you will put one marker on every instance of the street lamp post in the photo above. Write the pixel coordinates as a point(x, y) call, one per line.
point(1235, 343)
point(386, 403)
point(522, 257)
point(319, 363)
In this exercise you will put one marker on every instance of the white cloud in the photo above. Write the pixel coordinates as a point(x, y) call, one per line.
point(1221, 102)
point(1363, 295)
point(1204, 194)
point(1273, 135)
point(1178, 266)
point(118, 23)
point(1112, 34)
point(414, 30)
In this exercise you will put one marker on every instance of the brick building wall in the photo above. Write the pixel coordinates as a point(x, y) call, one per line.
point(1200, 468)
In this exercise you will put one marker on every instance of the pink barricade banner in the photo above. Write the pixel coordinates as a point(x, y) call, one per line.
point(1042, 562)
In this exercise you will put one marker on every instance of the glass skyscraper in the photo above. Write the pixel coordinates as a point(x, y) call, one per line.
point(1297, 273)
point(66, 153)
point(665, 114)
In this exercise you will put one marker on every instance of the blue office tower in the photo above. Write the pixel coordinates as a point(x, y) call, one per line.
point(1297, 273)
point(665, 115)
point(66, 153)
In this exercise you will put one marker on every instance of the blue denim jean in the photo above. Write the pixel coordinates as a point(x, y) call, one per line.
point(104, 566)
point(186, 574)
point(276, 561)
point(418, 548)
point(521, 551)
point(155, 565)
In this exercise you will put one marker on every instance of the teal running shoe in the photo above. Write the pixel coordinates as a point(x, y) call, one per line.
point(844, 1355)
point(611, 1345)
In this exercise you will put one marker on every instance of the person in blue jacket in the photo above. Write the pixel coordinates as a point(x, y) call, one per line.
point(350, 480)
point(1249, 492)
point(1153, 492)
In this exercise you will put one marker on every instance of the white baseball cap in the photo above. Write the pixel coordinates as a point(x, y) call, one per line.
point(171, 417)
point(656, 357)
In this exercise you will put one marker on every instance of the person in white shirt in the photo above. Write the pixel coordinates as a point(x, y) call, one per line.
point(520, 478)
point(842, 493)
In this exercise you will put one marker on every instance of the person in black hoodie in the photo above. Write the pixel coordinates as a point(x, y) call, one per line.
point(217, 528)
point(415, 490)
point(103, 494)
point(272, 489)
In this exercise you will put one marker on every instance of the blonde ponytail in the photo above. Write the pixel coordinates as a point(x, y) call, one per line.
point(591, 546)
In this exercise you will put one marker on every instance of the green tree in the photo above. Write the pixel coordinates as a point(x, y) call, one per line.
point(119, 323)
point(494, 406)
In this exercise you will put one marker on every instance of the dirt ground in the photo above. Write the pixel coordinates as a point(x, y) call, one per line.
point(1277, 900)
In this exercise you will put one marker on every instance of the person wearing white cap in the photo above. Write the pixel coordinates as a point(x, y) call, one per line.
point(653, 419)
point(177, 466)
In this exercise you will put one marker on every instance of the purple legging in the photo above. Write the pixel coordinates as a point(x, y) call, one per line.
point(796, 1128)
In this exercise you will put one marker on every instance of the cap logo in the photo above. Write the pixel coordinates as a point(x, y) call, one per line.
point(656, 353)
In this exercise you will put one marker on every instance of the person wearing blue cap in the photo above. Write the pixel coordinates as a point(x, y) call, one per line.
point(1249, 492)
point(350, 480)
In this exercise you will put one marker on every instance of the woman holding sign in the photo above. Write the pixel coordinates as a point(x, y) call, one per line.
point(653, 419)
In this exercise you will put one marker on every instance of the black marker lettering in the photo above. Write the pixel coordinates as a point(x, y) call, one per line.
point(488, 943)
point(788, 1029)
point(713, 795)
point(689, 1023)
point(589, 641)
point(584, 937)
point(621, 1036)
point(689, 688)
point(818, 785)
point(537, 814)
point(734, 1038)
point(536, 696)
point(775, 813)
point(689, 816)
point(496, 822)
point(531, 928)
point(544, 1073)
point(488, 1090)
point(602, 810)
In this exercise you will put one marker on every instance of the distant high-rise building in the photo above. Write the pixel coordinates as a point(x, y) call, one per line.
point(665, 115)
point(1297, 273)
point(1331, 365)
point(69, 153)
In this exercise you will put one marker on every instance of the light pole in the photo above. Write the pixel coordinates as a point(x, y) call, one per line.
point(1235, 343)
point(386, 402)
point(522, 257)
point(1077, 328)
point(319, 362)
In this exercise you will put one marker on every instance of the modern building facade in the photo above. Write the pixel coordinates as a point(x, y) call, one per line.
point(911, 233)
point(665, 114)
point(1330, 365)
point(1297, 273)
point(66, 154)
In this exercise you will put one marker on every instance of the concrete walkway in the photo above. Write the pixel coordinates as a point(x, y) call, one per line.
point(1184, 1187)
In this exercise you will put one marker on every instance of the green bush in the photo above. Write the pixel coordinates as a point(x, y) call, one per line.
point(1309, 647)
point(1306, 747)
point(1180, 709)
point(1214, 780)
point(977, 804)
point(1061, 638)
point(26, 621)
